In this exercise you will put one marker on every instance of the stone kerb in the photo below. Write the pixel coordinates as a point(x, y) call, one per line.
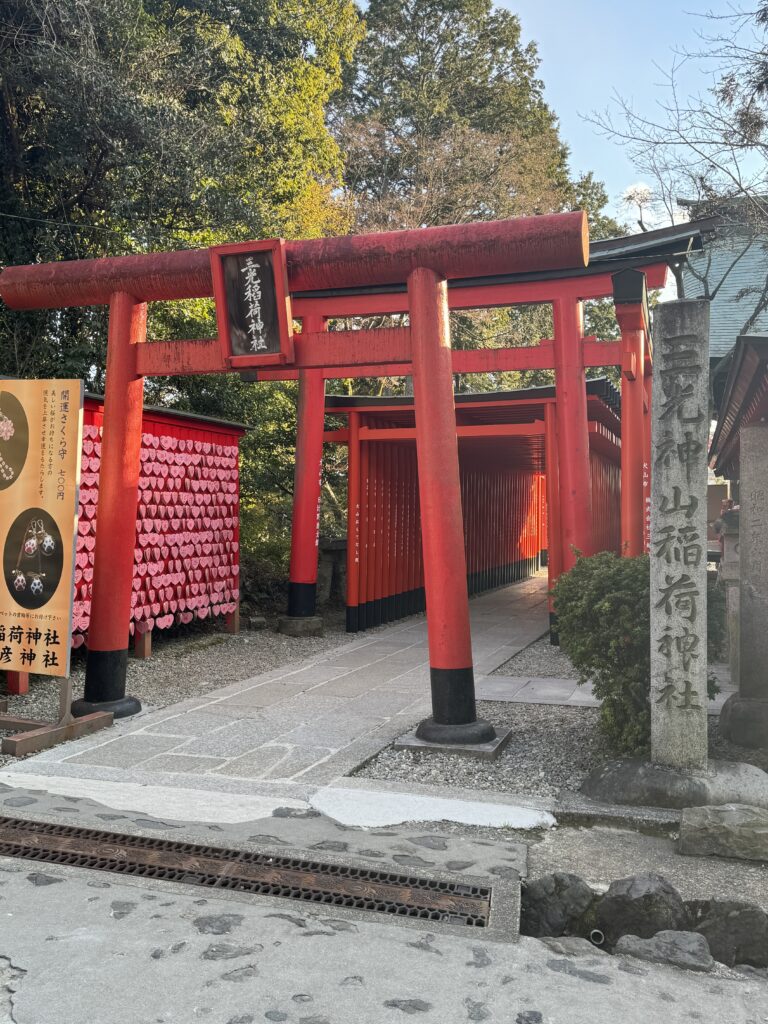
point(680, 428)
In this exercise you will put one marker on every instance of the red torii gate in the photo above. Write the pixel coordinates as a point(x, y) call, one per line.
point(330, 278)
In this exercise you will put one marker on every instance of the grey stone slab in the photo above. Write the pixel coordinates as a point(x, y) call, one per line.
point(182, 763)
point(268, 693)
point(417, 677)
point(193, 723)
point(256, 763)
point(383, 702)
point(307, 707)
point(236, 712)
point(313, 674)
point(358, 658)
point(500, 687)
point(542, 691)
point(351, 685)
point(298, 760)
point(334, 733)
point(124, 752)
point(237, 738)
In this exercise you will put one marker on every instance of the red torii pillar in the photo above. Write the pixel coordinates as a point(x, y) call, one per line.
point(454, 714)
point(631, 301)
point(107, 663)
point(301, 619)
point(554, 525)
point(572, 431)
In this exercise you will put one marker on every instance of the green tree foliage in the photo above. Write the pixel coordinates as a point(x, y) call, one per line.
point(604, 624)
point(443, 120)
point(133, 125)
point(139, 125)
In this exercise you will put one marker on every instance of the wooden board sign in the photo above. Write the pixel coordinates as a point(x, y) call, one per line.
point(41, 428)
point(250, 286)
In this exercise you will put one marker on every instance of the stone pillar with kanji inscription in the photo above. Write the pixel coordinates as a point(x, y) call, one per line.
point(678, 542)
point(744, 717)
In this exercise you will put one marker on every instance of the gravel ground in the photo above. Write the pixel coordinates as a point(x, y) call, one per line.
point(538, 661)
point(188, 664)
point(552, 748)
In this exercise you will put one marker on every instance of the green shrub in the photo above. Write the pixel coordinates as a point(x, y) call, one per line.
point(603, 615)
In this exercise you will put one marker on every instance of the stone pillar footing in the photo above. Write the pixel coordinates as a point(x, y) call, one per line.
point(744, 721)
point(296, 625)
point(475, 739)
point(642, 784)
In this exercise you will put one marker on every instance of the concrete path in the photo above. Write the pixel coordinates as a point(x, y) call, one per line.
point(85, 947)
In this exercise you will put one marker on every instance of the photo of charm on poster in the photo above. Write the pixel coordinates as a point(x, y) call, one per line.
point(40, 451)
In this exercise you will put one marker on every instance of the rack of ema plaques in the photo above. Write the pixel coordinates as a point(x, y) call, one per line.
point(186, 559)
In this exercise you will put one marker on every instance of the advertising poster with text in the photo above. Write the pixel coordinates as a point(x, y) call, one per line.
point(41, 425)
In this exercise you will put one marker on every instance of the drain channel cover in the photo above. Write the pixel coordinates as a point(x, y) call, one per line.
point(219, 868)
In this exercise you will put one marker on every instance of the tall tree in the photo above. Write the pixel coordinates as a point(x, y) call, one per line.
point(139, 125)
point(132, 125)
point(443, 117)
point(443, 120)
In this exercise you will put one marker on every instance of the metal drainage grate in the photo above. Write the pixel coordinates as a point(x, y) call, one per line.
point(217, 868)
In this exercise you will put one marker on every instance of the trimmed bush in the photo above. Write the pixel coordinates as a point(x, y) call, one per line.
point(603, 616)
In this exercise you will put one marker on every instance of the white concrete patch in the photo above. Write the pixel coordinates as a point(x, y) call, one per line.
point(372, 809)
point(163, 802)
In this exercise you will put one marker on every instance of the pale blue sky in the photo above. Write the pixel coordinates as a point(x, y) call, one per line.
point(590, 49)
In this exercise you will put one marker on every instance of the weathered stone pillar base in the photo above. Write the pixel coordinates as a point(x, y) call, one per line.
point(295, 625)
point(744, 721)
point(643, 784)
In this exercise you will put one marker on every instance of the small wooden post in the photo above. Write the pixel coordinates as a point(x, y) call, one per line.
point(142, 645)
point(232, 621)
point(17, 682)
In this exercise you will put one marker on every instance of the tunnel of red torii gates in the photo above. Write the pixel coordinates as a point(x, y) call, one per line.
point(508, 472)
point(423, 273)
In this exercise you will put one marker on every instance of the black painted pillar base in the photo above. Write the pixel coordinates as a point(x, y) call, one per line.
point(105, 678)
point(454, 712)
point(302, 600)
point(462, 734)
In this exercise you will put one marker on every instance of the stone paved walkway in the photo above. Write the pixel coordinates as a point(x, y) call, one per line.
point(309, 723)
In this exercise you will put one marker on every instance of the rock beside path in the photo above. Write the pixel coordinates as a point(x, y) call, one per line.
point(640, 905)
point(557, 904)
point(688, 950)
point(737, 933)
point(728, 830)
